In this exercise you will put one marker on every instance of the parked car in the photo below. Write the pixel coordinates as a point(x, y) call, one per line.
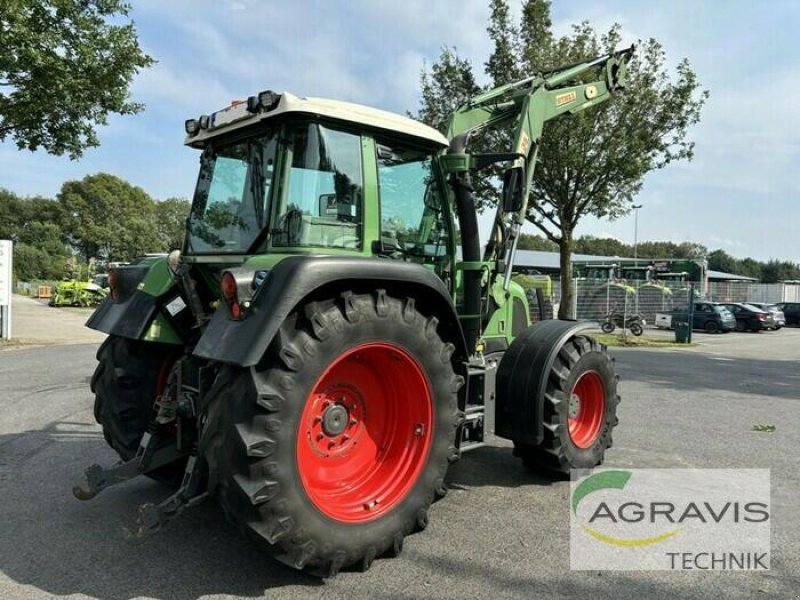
point(777, 314)
point(711, 317)
point(791, 311)
point(749, 318)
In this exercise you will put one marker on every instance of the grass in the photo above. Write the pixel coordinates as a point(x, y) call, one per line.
point(610, 339)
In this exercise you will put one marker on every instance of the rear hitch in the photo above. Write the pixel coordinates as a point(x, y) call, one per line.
point(154, 516)
point(150, 455)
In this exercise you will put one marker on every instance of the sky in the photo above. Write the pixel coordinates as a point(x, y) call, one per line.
point(739, 193)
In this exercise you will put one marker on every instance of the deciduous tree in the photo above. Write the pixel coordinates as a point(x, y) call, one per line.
point(108, 218)
point(591, 163)
point(65, 65)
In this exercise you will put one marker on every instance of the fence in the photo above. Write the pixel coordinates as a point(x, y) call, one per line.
point(593, 299)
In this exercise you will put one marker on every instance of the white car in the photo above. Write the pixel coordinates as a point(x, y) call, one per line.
point(777, 313)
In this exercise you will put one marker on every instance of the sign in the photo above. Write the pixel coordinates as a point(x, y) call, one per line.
point(670, 519)
point(6, 254)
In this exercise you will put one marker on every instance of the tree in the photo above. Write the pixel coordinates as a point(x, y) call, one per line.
point(65, 66)
point(602, 246)
point(594, 162)
point(776, 270)
point(10, 211)
point(35, 225)
point(719, 260)
point(171, 220)
point(108, 218)
point(529, 241)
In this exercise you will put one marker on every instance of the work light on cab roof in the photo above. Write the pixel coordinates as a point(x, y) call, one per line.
point(238, 109)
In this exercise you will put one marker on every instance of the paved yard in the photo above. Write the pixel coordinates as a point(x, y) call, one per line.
point(501, 532)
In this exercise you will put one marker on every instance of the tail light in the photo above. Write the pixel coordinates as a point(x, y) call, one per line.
point(762, 316)
point(113, 284)
point(230, 293)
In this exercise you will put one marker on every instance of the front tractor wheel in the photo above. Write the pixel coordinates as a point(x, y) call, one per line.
point(130, 375)
point(331, 450)
point(580, 410)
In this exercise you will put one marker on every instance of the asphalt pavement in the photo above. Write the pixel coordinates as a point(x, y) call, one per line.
point(500, 532)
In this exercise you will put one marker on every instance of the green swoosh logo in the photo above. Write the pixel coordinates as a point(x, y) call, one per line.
point(611, 480)
point(599, 481)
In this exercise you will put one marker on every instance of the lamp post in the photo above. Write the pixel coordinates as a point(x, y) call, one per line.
point(636, 208)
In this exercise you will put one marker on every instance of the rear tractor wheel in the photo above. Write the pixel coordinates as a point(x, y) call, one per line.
point(330, 451)
point(580, 410)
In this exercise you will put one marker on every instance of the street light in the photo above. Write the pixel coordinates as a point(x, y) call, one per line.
point(636, 208)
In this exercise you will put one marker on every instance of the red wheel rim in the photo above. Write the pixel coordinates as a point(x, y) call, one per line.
point(365, 432)
point(587, 407)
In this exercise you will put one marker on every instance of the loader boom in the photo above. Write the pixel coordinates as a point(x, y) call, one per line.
point(526, 105)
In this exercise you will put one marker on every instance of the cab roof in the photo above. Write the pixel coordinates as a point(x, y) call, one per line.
point(363, 116)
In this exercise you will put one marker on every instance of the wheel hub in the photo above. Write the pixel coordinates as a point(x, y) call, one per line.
point(586, 410)
point(574, 406)
point(335, 419)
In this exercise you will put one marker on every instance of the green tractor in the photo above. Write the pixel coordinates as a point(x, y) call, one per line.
point(319, 353)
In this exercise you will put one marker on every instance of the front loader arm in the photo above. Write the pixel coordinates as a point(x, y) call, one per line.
point(527, 105)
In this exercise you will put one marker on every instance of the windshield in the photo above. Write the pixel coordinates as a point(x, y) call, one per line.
point(231, 201)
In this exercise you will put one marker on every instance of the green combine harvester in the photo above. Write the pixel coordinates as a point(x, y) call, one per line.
point(76, 292)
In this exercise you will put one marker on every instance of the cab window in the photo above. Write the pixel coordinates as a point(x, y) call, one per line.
point(413, 220)
point(322, 206)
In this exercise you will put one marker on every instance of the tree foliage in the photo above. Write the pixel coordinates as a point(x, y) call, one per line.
point(108, 218)
point(65, 66)
point(593, 162)
point(100, 218)
point(171, 217)
point(35, 226)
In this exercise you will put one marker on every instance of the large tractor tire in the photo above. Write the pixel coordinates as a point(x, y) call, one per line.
point(129, 376)
point(580, 410)
point(330, 451)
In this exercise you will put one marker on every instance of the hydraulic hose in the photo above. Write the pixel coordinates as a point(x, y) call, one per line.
point(470, 245)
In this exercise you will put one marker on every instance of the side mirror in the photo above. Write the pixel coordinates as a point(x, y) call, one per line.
point(513, 182)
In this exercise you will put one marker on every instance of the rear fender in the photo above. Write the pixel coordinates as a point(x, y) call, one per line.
point(243, 342)
point(522, 378)
point(144, 307)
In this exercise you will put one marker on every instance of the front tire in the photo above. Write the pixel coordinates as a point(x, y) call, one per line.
point(130, 375)
point(607, 327)
point(331, 450)
point(580, 410)
point(636, 329)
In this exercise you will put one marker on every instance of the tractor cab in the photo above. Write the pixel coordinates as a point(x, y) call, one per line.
point(282, 175)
